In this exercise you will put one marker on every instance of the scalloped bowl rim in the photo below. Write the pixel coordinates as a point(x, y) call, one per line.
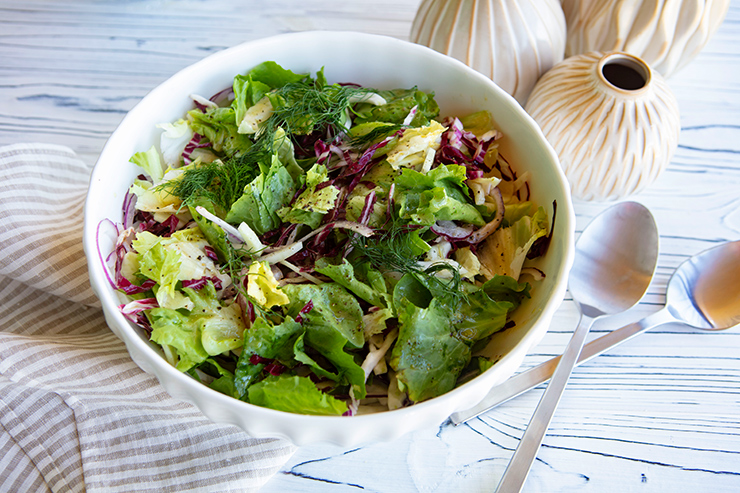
point(375, 49)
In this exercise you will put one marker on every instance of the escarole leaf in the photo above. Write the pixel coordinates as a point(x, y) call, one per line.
point(505, 288)
point(273, 75)
point(209, 329)
point(215, 235)
point(427, 358)
point(221, 326)
point(179, 331)
point(314, 201)
point(411, 148)
point(219, 127)
point(374, 291)
point(294, 394)
point(163, 266)
point(438, 195)
point(150, 162)
point(333, 322)
point(250, 89)
point(271, 190)
point(267, 341)
point(167, 260)
point(333, 308)
point(399, 103)
point(504, 252)
point(262, 198)
point(224, 383)
point(480, 317)
point(485, 311)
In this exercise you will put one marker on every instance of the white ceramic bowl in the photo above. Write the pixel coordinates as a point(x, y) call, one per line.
point(374, 61)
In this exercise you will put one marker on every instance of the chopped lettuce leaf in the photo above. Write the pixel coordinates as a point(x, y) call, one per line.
point(262, 198)
point(176, 329)
point(469, 263)
point(484, 363)
point(399, 103)
point(273, 75)
point(333, 307)
point(356, 204)
point(313, 202)
point(219, 127)
point(427, 358)
point(299, 350)
point(255, 116)
point(439, 195)
point(151, 162)
point(173, 141)
point(410, 150)
point(247, 93)
point(223, 379)
point(411, 289)
point(375, 321)
point(479, 123)
point(221, 326)
point(504, 252)
point(283, 148)
point(262, 286)
point(480, 317)
point(157, 199)
point(294, 394)
point(225, 385)
point(344, 274)
point(266, 341)
point(163, 266)
point(383, 175)
point(333, 322)
point(515, 211)
point(505, 288)
point(377, 128)
point(208, 329)
point(180, 257)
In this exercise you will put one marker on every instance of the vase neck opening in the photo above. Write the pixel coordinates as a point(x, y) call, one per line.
point(625, 73)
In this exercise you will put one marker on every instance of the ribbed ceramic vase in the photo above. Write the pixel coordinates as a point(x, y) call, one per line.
point(513, 42)
point(666, 34)
point(613, 122)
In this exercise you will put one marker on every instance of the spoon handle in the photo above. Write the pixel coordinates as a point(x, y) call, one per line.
point(529, 379)
point(518, 470)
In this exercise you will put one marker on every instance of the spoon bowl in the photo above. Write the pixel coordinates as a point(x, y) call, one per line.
point(704, 292)
point(614, 261)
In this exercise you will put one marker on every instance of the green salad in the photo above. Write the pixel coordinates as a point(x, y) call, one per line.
point(326, 248)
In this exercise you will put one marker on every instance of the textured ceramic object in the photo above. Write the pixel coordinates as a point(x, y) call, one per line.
point(374, 61)
point(512, 42)
point(612, 120)
point(667, 34)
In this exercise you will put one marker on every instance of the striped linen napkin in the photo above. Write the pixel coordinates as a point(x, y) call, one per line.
point(76, 414)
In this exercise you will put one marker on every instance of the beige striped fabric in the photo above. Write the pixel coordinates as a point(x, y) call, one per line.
point(76, 414)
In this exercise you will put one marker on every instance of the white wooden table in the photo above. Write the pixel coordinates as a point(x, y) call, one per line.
point(661, 413)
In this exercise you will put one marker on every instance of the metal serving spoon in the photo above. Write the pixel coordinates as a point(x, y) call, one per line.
point(614, 262)
point(703, 293)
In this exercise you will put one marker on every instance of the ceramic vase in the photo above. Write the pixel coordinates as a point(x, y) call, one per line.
point(513, 42)
point(612, 120)
point(667, 34)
